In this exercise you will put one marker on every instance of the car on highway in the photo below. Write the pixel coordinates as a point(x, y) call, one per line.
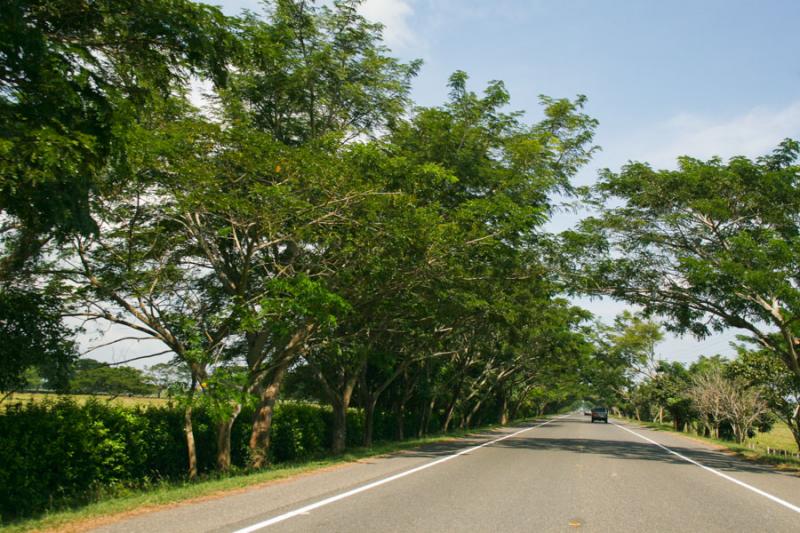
point(600, 413)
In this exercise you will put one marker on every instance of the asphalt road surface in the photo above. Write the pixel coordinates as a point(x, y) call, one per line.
point(564, 474)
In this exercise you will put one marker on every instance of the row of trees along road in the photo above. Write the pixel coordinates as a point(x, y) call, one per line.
point(308, 217)
point(311, 221)
point(713, 396)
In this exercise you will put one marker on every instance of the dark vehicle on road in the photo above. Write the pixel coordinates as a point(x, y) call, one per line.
point(600, 413)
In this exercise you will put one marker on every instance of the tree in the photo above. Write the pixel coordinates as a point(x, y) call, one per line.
point(671, 384)
point(167, 376)
point(33, 335)
point(310, 72)
point(309, 80)
point(711, 245)
point(745, 407)
point(708, 392)
point(623, 359)
point(778, 387)
point(73, 77)
point(722, 399)
point(633, 340)
point(101, 378)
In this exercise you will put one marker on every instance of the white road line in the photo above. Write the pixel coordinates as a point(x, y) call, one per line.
point(775, 499)
point(363, 488)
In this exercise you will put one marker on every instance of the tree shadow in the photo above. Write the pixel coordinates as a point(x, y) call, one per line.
point(631, 450)
point(539, 439)
point(476, 438)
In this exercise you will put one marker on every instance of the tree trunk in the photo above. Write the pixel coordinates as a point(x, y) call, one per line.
point(224, 440)
point(262, 420)
point(268, 395)
point(340, 406)
point(372, 400)
point(472, 413)
point(425, 421)
point(191, 448)
point(448, 417)
point(339, 427)
point(793, 421)
point(737, 433)
point(513, 412)
point(452, 405)
point(541, 409)
point(503, 415)
point(369, 420)
point(400, 413)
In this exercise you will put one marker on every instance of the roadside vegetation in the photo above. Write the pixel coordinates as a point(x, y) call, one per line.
point(318, 263)
point(738, 401)
point(759, 448)
point(123, 501)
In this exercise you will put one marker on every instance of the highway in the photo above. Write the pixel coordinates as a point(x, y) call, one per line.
point(561, 474)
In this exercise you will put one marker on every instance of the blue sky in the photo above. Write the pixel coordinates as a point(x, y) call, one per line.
point(664, 78)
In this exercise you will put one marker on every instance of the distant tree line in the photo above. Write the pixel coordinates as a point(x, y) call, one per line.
point(713, 396)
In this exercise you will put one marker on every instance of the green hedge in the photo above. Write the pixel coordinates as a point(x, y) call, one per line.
point(61, 453)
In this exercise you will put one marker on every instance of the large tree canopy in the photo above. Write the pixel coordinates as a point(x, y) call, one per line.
point(711, 245)
point(33, 336)
point(73, 76)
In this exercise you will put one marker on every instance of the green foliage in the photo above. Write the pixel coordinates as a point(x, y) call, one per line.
point(63, 453)
point(621, 355)
point(33, 335)
point(711, 245)
point(308, 72)
point(314, 216)
point(779, 387)
point(112, 380)
point(73, 76)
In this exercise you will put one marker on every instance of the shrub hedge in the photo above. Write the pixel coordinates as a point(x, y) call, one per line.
point(54, 454)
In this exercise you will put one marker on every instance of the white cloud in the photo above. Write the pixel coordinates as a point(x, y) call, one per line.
point(751, 134)
point(394, 15)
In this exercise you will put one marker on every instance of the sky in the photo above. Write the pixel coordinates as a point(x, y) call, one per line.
point(702, 78)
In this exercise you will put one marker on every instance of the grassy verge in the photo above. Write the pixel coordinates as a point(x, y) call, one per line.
point(743, 451)
point(780, 437)
point(169, 494)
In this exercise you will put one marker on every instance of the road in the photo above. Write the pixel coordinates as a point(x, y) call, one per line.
point(565, 474)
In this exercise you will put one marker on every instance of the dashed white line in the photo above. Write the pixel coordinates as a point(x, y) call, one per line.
point(306, 509)
point(760, 492)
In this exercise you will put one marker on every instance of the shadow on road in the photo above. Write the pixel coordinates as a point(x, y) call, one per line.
point(541, 439)
point(472, 439)
point(625, 449)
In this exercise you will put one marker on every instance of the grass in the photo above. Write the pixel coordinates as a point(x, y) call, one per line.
point(167, 494)
point(25, 397)
point(779, 437)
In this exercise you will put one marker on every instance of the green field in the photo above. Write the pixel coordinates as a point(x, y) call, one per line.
point(779, 437)
point(24, 397)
